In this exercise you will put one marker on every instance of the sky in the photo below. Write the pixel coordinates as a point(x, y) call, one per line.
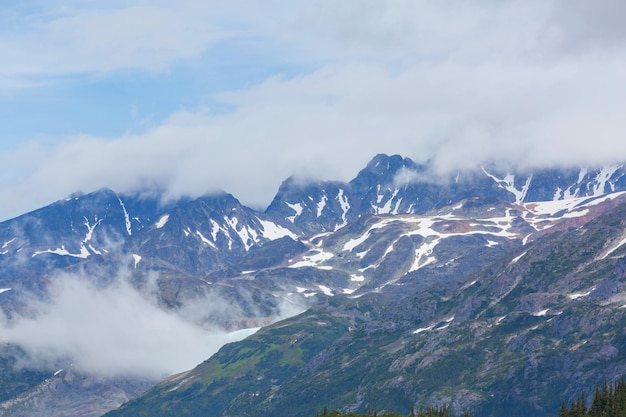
point(196, 96)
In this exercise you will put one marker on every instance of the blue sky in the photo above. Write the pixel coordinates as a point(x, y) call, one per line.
point(130, 97)
point(200, 95)
point(128, 101)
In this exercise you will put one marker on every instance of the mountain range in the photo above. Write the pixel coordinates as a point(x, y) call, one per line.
point(489, 291)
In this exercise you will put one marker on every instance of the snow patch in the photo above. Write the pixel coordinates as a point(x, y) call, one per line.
point(603, 177)
point(321, 205)
point(379, 196)
point(215, 228)
point(90, 229)
point(389, 250)
point(614, 248)
point(7, 243)
point(161, 222)
point(137, 258)
point(345, 206)
point(327, 291)
point(205, 240)
point(541, 215)
point(517, 258)
point(272, 231)
point(248, 236)
point(386, 209)
point(424, 329)
point(353, 243)
point(581, 175)
point(126, 217)
point(84, 253)
point(313, 260)
point(466, 286)
point(5, 290)
point(577, 295)
point(422, 255)
point(94, 250)
point(297, 208)
point(508, 183)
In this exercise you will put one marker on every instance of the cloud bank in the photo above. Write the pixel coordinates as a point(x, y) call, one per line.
point(113, 331)
point(529, 83)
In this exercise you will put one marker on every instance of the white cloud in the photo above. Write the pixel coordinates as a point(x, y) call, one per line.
point(100, 37)
point(328, 124)
point(114, 331)
point(517, 81)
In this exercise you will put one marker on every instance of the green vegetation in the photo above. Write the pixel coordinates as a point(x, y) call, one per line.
point(15, 380)
point(428, 412)
point(608, 401)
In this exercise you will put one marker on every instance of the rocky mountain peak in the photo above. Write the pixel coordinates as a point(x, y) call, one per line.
point(383, 170)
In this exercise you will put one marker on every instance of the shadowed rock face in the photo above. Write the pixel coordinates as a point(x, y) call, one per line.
point(68, 392)
point(620, 268)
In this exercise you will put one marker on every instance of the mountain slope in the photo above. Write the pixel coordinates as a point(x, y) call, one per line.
point(542, 323)
point(67, 392)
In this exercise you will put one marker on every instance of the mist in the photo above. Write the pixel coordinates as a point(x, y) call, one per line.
point(116, 330)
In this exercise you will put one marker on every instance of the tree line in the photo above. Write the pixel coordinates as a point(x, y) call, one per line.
point(608, 401)
point(426, 412)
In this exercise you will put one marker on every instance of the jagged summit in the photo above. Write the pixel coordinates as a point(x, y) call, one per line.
point(397, 185)
point(218, 225)
point(384, 170)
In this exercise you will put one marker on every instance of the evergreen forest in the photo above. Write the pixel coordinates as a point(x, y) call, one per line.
point(608, 401)
point(428, 412)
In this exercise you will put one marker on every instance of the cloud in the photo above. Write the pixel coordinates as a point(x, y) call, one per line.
point(101, 37)
point(115, 330)
point(329, 125)
point(578, 26)
point(521, 82)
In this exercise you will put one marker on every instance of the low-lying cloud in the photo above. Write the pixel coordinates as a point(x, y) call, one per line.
point(114, 330)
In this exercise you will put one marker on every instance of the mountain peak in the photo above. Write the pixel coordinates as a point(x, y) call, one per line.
point(382, 170)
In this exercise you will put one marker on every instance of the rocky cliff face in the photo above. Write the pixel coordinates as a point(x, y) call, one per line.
point(69, 392)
